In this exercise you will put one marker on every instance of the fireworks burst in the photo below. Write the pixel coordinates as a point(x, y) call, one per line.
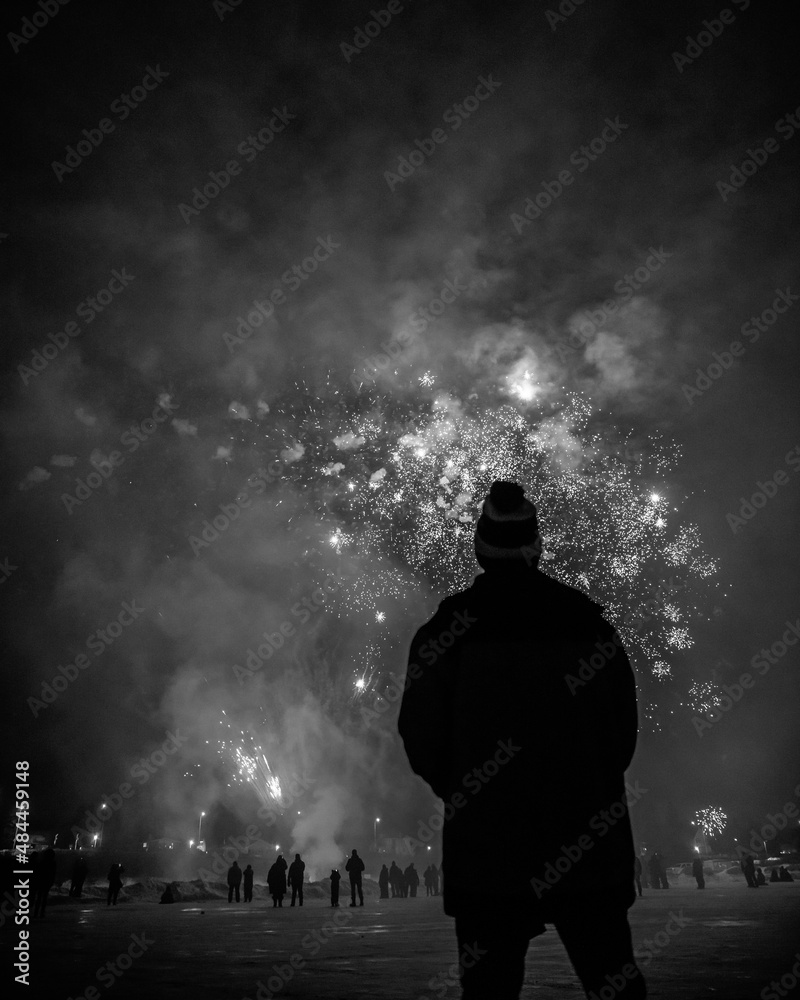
point(711, 820)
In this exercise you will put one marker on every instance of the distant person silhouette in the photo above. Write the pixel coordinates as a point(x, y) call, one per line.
point(167, 895)
point(411, 877)
point(335, 879)
point(79, 874)
point(760, 877)
point(427, 878)
point(402, 884)
point(114, 883)
point(383, 882)
point(296, 869)
point(247, 883)
point(749, 868)
point(774, 876)
point(520, 712)
point(354, 867)
point(662, 872)
point(786, 875)
point(697, 872)
point(276, 880)
point(234, 881)
point(395, 878)
point(637, 874)
point(42, 879)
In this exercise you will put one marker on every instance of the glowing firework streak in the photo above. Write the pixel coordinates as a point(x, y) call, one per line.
point(251, 766)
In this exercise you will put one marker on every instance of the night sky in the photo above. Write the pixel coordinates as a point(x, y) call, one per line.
point(645, 252)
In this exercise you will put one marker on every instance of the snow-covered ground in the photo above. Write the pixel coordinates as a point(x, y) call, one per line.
point(729, 943)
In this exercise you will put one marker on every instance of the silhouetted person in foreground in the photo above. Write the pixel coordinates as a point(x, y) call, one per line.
point(383, 882)
point(395, 878)
point(234, 881)
point(354, 867)
point(247, 884)
point(42, 878)
point(697, 872)
point(114, 883)
point(520, 712)
point(335, 879)
point(276, 880)
point(79, 874)
point(637, 874)
point(411, 877)
point(296, 869)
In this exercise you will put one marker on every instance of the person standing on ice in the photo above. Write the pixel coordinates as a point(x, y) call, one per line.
point(276, 881)
point(354, 868)
point(697, 872)
point(247, 878)
point(520, 712)
point(335, 878)
point(637, 874)
point(383, 882)
point(296, 870)
point(395, 876)
point(234, 881)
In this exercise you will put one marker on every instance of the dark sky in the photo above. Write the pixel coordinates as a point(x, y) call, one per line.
point(661, 180)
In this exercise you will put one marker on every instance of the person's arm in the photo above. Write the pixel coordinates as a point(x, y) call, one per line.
point(619, 705)
point(426, 708)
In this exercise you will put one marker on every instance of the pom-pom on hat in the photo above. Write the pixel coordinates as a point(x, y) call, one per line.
point(507, 527)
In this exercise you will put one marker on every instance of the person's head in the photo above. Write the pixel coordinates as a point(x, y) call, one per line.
point(297, 857)
point(507, 533)
point(235, 864)
point(354, 853)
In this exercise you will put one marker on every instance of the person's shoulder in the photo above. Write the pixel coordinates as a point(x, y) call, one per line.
point(569, 596)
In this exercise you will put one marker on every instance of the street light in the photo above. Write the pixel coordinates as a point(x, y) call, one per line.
point(375, 835)
point(200, 828)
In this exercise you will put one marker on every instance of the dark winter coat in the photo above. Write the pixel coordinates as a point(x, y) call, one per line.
point(383, 878)
point(354, 868)
point(276, 878)
point(523, 738)
point(234, 875)
point(296, 869)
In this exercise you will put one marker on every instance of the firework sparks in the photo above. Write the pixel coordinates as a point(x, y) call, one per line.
point(711, 820)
